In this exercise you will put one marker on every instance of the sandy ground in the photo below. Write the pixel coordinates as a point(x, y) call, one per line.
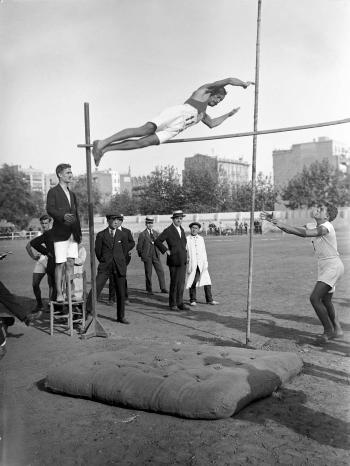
point(304, 423)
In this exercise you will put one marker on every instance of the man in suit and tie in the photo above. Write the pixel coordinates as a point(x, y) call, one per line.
point(111, 248)
point(176, 252)
point(131, 244)
point(150, 256)
point(63, 208)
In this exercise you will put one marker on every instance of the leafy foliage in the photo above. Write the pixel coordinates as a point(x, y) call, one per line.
point(17, 203)
point(318, 184)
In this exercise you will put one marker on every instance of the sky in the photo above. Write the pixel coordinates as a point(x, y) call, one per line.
point(130, 59)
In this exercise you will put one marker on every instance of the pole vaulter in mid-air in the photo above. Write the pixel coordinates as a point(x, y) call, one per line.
point(172, 120)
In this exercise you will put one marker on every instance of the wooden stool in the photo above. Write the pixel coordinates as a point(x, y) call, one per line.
point(73, 316)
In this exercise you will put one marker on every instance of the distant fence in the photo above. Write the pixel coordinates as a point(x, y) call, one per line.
point(218, 223)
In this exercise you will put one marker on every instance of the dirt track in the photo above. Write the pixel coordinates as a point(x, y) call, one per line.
point(304, 423)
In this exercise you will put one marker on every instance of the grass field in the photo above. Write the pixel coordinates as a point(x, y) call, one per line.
point(304, 423)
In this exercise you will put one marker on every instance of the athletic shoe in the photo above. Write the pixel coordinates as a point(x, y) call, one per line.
point(2, 336)
point(193, 303)
point(213, 303)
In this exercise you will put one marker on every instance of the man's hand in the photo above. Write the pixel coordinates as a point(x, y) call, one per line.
point(233, 111)
point(69, 218)
point(247, 84)
point(167, 252)
point(266, 216)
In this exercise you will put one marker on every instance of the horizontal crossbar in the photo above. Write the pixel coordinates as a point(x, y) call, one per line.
point(252, 133)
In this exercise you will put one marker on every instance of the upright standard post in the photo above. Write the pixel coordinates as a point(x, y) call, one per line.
point(93, 327)
point(252, 208)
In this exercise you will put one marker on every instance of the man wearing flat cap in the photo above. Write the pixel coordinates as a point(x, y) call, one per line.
point(197, 266)
point(111, 248)
point(175, 238)
point(150, 256)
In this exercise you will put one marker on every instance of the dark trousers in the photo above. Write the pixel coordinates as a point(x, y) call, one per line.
point(207, 289)
point(153, 261)
point(37, 277)
point(119, 286)
point(112, 292)
point(14, 305)
point(177, 285)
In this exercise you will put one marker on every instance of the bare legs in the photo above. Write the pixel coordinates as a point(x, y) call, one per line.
point(321, 301)
point(145, 133)
point(59, 275)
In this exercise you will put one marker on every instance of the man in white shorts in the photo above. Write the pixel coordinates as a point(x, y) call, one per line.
point(41, 262)
point(172, 121)
point(330, 268)
point(63, 208)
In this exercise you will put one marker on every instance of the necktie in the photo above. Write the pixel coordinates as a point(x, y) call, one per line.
point(111, 232)
point(152, 236)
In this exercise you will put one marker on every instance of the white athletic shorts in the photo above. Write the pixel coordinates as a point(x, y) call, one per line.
point(66, 249)
point(173, 120)
point(40, 265)
point(329, 271)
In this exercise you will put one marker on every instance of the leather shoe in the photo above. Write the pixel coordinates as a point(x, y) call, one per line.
point(164, 291)
point(150, 293)
point(123, 321)
point(182, 307)
point(173, 308)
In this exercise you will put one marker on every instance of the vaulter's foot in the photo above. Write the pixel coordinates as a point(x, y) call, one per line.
point(97, 152)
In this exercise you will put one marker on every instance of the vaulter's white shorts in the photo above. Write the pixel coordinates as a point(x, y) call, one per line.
point(66, 249)
point(173, 120)
point(40, 264)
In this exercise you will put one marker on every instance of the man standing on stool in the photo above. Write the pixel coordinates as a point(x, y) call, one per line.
point(63, 208)
point(197, 266)
point(175, 237)
point(112, 248)
point(150, 256)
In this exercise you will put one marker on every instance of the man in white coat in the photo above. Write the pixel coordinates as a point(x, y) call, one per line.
point(197, 266)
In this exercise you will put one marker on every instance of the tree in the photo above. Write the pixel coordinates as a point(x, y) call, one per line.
point(265, 195)
point(17, 203)
point(163, 192)
point(79, 187)
point(318, 184)
point(122, 203)
point(200, 189)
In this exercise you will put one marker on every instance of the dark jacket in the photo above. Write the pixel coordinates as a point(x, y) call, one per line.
point(57, 206)
point(131, 243)
point(145, 245)
point(112, 251)
point(176, 246)
point(45, 245)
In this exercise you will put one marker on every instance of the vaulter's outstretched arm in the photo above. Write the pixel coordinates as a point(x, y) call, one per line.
point(226, 82)
point(213, 122)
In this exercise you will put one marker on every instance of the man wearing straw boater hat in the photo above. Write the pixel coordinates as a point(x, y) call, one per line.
point(150, 256)
point(176, 252)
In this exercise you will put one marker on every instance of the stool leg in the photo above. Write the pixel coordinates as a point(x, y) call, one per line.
point(70, 310)
point(51, 317)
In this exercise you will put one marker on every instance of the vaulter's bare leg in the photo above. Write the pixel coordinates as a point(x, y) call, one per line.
point(100, 146)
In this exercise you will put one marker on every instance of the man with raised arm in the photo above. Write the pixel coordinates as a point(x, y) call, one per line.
point(172, 120)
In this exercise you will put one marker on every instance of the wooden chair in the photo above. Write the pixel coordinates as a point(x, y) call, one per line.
point(74, 314)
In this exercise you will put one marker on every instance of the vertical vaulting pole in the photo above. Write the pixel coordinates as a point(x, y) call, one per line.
point(256, 105)
point(93, 328)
